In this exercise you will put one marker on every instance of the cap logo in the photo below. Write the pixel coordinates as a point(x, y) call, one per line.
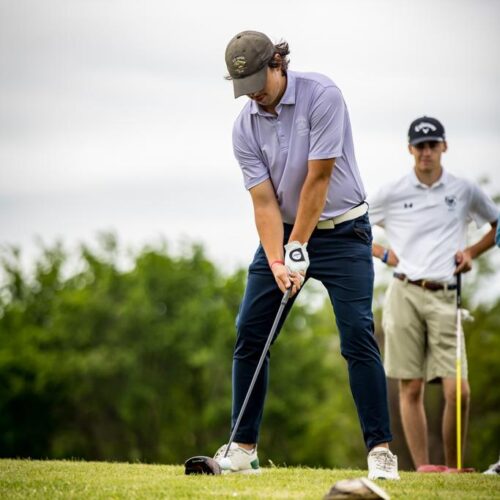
point(239, 64)
point(425, 127)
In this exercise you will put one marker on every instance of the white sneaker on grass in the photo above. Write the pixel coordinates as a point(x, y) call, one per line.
point(238, 460)
point(493, 469)
point(382, 464)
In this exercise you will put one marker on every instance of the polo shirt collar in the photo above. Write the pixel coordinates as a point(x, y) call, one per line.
point(441, 181)
point(287, 98)
point(254, 108)
point(289, 95)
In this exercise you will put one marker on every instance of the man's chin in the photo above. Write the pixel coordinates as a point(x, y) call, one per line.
point(427, 166)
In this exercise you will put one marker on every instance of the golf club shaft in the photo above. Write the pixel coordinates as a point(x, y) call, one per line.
point(459, 372)
point(284, 301)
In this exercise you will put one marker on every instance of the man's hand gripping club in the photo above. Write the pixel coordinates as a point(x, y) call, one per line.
point(297, 258)
point(293, 271)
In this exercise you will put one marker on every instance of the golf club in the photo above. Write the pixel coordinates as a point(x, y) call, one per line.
point(206, 465)
point(459, 468)
point(459, 371)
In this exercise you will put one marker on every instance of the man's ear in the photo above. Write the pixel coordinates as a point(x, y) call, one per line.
point(410, 149)
point(445, 147)
point(276, 62)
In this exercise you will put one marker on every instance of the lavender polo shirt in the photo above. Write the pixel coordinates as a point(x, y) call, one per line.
point(312, 124)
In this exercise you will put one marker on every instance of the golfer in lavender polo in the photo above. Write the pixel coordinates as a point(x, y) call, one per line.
point(293, 142)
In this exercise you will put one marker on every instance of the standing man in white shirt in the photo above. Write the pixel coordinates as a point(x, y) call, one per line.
point(293, 142)
point(425, 216)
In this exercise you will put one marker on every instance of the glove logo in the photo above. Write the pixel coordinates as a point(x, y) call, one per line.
point(297, 255)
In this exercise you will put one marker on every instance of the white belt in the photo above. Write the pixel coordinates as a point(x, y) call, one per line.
point(354, 213)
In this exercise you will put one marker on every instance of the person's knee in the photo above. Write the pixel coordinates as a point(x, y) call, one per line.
point(465, 392)
point(358, 341)
point(249, 340)
point(411, 391)
point(450, 394)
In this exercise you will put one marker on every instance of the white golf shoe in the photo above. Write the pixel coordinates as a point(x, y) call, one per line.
point(493, 469)
point(382, 464)
point(238, 460)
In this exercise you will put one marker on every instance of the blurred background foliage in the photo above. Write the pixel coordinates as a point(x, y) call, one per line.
point(106, 363)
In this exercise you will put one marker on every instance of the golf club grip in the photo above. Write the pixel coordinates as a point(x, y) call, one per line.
point(283, 303)
point(459, 290)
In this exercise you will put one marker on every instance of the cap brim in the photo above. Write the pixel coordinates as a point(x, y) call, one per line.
point(426, 139)
point(250, 84)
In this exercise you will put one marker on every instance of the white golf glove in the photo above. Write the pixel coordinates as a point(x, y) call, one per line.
point(296, 257)
point(466, 315)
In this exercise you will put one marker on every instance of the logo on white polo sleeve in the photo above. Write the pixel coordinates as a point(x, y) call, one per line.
point(302, 126)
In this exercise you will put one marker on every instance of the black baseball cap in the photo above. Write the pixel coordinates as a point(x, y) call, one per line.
point(247, 56)
point(425, 129)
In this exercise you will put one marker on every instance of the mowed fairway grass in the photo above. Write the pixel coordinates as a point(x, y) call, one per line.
point(75, 479)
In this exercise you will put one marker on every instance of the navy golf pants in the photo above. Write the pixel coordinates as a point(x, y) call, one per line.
point(341, 259)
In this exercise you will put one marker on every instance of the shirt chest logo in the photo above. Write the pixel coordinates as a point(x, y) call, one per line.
point(408, 205)
point(451, 201)
point(302, 126)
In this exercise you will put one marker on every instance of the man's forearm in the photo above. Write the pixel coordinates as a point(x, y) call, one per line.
point(485, 243)
point(270, 228)
point(378, 250)
point(311, 204)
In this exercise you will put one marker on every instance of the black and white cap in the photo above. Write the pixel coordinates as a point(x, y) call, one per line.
point(425, 129)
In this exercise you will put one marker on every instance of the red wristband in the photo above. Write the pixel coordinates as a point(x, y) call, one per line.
point(279, 261)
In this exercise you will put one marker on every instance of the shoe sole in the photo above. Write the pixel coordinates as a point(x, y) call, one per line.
point(244, 471)
point(373, 478)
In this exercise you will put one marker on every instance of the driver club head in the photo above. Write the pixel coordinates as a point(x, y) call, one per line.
point(202, 465)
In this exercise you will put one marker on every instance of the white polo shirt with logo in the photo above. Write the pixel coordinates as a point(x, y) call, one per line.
point(427, 225)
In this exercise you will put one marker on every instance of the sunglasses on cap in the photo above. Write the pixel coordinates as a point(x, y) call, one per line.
point(422, 145)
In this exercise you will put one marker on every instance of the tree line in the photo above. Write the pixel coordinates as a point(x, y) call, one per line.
point(107, 363)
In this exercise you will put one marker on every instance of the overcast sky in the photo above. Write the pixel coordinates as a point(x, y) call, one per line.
point(114, 114)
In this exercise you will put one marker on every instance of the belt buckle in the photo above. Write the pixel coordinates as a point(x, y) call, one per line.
point(326, 224)
point(423, 283)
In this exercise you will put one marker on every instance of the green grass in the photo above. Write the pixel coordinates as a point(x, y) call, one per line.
point(74, 479)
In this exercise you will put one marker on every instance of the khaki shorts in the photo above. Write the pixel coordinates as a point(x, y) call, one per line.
point(420, 333)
